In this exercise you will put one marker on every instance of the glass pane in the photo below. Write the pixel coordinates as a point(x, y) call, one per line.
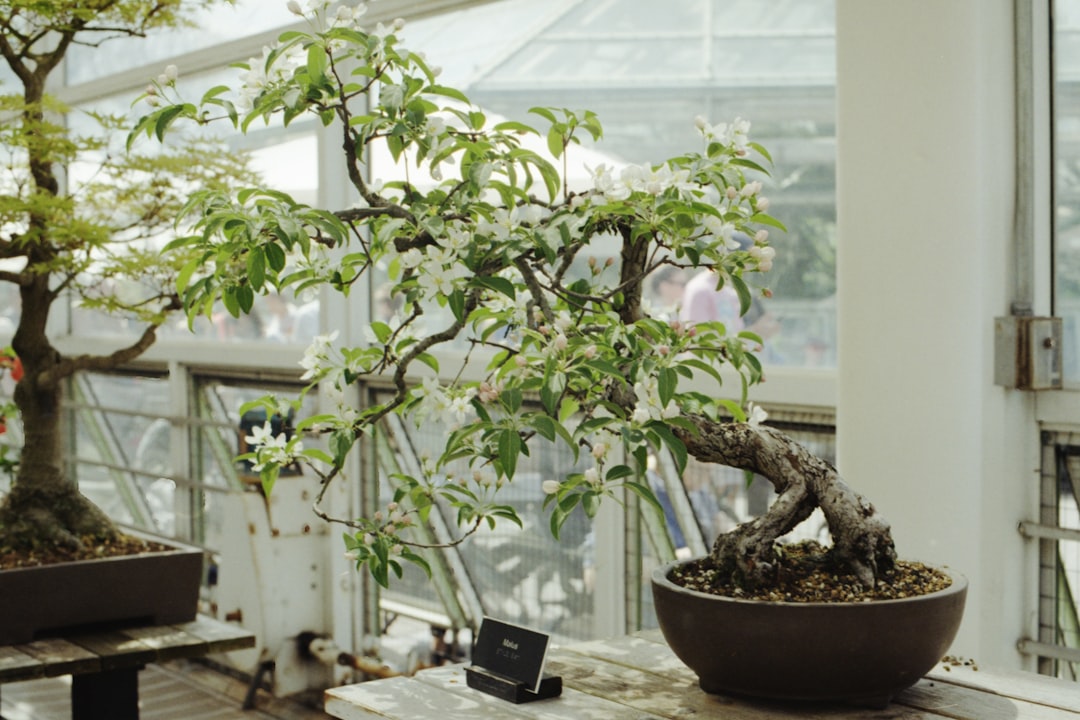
point(1067, 179)
point(648, 69)
point(123, 448)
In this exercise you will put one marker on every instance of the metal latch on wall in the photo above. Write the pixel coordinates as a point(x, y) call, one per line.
point(1027, 352)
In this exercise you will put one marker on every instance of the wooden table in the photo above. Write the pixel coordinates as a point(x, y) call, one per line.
point(105, 665)
point(637, 677)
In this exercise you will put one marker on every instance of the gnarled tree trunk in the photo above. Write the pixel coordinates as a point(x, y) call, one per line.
point(862, 539)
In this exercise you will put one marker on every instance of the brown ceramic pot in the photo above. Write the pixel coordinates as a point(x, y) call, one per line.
point(856, 652)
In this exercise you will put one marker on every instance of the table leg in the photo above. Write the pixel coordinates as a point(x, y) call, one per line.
point(106, 695)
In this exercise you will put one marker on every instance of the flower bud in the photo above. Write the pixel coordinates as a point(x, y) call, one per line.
point(762, 204)
point(294, 8)
point(171, 73)
point(663, 350)
point(560, 342)
point(761, 236)
point(599, 450)
point(550, 487)
point(589, 352)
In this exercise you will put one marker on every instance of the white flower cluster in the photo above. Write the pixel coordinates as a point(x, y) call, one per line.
point(452, 406)
point(439, 271)
point(258, 77)
point(735, 134)
point(272, 449)
point(648, 406)
point(638, 178)
point(316, 360)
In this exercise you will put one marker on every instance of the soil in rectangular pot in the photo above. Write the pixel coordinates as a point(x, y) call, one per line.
point(123, 545)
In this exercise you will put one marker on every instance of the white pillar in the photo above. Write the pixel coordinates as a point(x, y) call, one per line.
point(925, 213)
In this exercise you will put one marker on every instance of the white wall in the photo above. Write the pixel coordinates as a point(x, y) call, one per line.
point(925, 207)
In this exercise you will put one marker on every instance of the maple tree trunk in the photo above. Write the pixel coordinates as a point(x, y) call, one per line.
point(862, 539)
point(44, 507)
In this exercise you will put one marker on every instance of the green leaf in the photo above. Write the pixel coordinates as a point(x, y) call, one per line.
point(667, 380)
point(645, 493)
point(268, 476)
point(552, 389)
point(429, 360)
point(514, 126)
point(746, 299)
point(168, 116)
point(184, 276)
point(555, 142)
point(590, 500)
point(618, 472)
point(256, 268)
point(678, 450)
point(509, 449)
point(457, 304)
point(498, 284)
point(543, 425)
point(447, 92)
point(341, 442)
point(544, 113)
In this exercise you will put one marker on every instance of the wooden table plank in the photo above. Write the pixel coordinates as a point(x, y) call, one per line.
point(1030, 687)
point(170, 642)
point(219, 636)
point(571, 704)
point(402, 697)
point(634, 651)
point(60, 657)
point(16, 665)
point(116, 650)
point(963, 703)
point(675, 693)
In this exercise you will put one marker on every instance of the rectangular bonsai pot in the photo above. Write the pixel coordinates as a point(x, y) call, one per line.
point(153, 588)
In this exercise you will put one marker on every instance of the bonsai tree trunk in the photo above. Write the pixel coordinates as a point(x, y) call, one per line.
point(44, 507)
point(862, 539)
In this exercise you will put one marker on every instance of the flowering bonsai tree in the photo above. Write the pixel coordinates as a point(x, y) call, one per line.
point(79, 218)
point(489, 249)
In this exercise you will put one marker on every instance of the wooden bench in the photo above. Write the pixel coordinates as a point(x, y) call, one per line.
point(638, 677)
point(105, 665)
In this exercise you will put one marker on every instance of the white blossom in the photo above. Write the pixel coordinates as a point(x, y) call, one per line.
point(755, 415)
point(441, 280)
point(317, 355)
point(260, 435)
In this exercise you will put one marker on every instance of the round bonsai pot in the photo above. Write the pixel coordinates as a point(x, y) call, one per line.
point(863, 652)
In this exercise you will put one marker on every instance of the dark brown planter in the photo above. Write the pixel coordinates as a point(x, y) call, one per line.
point(156, 588)
point(856, 652)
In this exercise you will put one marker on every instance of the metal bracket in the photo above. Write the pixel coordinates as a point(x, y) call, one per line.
point(1027, 352)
